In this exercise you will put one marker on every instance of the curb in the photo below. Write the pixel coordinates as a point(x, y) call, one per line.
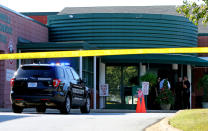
point(163, 125)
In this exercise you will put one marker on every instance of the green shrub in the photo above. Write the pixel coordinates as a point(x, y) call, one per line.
point(165, 96)
point(203, 83)
point(150, 77)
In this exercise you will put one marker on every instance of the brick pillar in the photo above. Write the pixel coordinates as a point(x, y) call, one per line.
point(2, 82)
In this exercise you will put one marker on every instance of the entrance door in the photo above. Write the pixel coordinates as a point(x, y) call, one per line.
point(121, 79)
point(130, 80)
point(113, 78)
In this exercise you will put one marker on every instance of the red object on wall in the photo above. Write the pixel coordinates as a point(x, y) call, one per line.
point(41, 19)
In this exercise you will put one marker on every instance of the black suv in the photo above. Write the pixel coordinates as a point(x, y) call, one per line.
point(48, 86)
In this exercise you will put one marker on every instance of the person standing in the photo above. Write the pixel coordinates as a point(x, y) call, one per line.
point(179, 93)
point(162, 81)
point(157, 89)
point(186, 93)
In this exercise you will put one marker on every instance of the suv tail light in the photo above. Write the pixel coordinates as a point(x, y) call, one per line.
point(12, 82)
point(56, 82)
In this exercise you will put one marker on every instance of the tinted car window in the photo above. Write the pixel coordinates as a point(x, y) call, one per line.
point(36, 71)
point(70, 74)
point(61, 72)
point(66, 74)
point(76, 76)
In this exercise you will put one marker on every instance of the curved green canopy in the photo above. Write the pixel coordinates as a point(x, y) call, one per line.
point(156, 58)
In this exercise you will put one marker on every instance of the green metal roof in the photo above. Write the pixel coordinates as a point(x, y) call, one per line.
point(123, 30)
point(202, 34)
point(47, 46)
point(156, 58)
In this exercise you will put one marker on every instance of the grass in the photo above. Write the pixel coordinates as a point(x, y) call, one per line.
point(191, 120)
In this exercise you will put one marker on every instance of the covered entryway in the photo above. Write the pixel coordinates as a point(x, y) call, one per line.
point(123, 75)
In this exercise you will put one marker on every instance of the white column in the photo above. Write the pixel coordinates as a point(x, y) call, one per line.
point(190, 80)
point(19, 60)
point(175, 66)
point(102, 81)
point(175, 72)
point(143, 69)
point(94, 105)
point(80, 67)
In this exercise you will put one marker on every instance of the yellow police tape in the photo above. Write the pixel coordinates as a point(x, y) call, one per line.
point(107, 52)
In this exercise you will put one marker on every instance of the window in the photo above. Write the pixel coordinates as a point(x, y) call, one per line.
point(36, 71)
point(88, 71)
point(66, 74)
point(61, 73)
point(69, 74)
point(76, 76)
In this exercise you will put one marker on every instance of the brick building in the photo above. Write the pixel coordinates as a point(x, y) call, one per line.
point(15, 27)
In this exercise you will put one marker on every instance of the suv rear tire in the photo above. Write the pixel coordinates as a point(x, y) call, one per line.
point(86, 107)
point(17, 109)
point(41, 109)
point(65, 109)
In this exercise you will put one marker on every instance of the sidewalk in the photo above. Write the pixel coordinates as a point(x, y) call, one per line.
point(93, 110)
point(161, 125)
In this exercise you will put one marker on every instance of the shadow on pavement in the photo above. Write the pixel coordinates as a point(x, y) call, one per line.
point(73, 112)
point(97, 114)
point(4, 118)
point(76, 113)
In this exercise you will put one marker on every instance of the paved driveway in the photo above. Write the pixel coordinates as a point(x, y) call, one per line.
point(78, 122)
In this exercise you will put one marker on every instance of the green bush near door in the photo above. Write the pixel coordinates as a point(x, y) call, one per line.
point(203, 83)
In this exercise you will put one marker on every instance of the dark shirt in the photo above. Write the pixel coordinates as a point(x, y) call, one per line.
point(179, 88)
point(187, 90)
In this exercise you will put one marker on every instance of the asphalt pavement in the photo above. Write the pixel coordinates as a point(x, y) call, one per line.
point(53, 121)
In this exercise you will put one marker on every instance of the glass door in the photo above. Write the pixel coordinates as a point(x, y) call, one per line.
point(130, 80)
point(121, 80)
point(113, 78)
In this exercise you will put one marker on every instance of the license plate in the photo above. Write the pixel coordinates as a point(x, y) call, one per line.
point(32, 84)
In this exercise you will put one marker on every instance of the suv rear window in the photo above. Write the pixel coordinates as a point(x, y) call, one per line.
point(36, 71)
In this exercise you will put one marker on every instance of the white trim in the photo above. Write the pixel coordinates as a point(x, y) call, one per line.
point(102, 81)
point(141, 72)
point(94, 96)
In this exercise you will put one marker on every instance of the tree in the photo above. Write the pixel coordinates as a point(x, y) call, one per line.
point(194, 11)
